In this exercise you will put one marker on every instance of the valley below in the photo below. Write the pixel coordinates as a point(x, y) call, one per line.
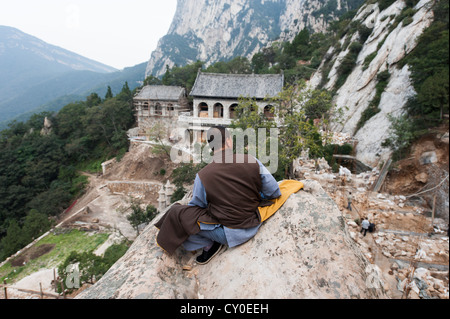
point(409, 246)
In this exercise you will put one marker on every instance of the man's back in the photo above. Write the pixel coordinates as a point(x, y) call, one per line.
point(365, 224)
point(233, 185)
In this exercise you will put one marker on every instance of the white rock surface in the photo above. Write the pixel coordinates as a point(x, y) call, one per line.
point(303, 251)
point(359, 89)
point(213, 30)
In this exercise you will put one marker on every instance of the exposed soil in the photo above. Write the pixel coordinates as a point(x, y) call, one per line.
point(411, 176)
point(32, 253)
point(141, 163)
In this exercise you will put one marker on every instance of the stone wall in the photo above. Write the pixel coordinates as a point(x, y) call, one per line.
point(143, 190)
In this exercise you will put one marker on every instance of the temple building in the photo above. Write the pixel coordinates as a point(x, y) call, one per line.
point(216, 96)
point(159, 103)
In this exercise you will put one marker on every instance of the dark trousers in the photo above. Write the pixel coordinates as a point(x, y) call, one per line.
point(365, 231)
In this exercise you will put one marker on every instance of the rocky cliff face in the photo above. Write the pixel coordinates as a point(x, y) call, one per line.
point(389, 41)
point(213, 30)
point(303, 251)
point(221, 29)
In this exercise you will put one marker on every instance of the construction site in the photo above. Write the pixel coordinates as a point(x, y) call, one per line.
point(406, 202)
point(407, 205)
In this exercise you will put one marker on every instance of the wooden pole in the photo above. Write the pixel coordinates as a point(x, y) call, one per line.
point(6, 289)
point(55, 283)
point(42, 293)
point(62, 288)
point(40, 289)
point(432, 213)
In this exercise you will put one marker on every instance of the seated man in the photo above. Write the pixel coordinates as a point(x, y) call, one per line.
point(231, 187)
point(224, 207)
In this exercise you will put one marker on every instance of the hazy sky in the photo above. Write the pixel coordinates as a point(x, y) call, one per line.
point(119, 33)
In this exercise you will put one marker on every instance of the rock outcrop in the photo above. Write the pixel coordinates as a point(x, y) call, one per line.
point(303, 251)
point(388, 43)
point(214, 30)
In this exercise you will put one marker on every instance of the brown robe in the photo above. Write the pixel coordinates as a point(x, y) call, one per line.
point(233, 185)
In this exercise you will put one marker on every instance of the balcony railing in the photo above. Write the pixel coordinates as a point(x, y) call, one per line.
point(186, 117)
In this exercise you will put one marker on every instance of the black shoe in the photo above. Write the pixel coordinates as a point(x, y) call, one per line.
point(206, 256)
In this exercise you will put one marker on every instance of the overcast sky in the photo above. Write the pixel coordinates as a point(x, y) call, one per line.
point(119, 33)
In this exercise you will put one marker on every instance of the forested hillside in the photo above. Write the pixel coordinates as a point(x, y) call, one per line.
point(40, 167)
point(36, 76)
point(40, 171)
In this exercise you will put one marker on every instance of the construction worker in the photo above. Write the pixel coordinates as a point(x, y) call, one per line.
point(365, 226)
point(349, 201)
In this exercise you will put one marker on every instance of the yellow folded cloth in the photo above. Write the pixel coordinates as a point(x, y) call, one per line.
point(287, 188)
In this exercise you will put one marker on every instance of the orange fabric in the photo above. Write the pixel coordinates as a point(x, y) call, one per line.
point(287, 188)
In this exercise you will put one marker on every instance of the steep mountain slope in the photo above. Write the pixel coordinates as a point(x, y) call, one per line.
point(74, 86)
point(222, 29)
point(26, 59)
point(34, 73)
point(20, 53)
point(371, 54)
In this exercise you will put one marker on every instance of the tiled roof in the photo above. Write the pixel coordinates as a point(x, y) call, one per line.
point(235, 85)
point(161, 93)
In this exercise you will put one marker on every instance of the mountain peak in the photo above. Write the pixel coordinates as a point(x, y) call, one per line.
point(214, 30)
point(14, 42)
point(34, 73)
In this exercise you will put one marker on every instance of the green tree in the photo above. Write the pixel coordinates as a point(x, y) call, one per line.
point(184, 174)
point(296, 131)
point(152, 80)
point(262, 61)
point(91, 267)
point(140, 216)
point(36, 121)
point(35, 224)
point(348, 63)
point(68, 121)
point(113, 253)
point(402, 133)
point(14, 240)
point(429, 64)
point(238, 65)
point(125, 94)
point(52, 201)
point(110, 120)
point(109, 93)
point(300, 45)
point(93, 100)
point(182, 76)
point(40, 173)
point(318, 105)
point(433, 95)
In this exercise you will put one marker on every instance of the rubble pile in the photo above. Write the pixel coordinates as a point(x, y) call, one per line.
point(429, 250)
point(410, 247)
point(421, 283)
point(339, 138)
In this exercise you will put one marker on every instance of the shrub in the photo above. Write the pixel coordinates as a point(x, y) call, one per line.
point(373, 108)
point(348, 63)
point(369, 59)
point(91, 267)
point(384, 4)
point(178, 194)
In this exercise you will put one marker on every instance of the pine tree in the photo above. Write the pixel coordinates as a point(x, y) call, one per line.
point(108, 93)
